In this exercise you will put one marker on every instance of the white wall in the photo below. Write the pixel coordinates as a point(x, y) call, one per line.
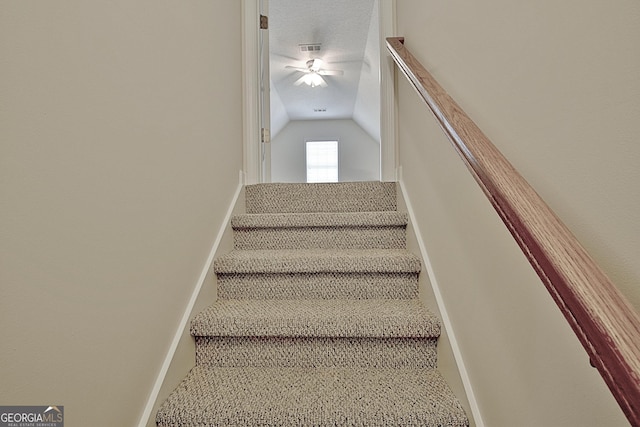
point(366, 111)
point(279, 116)
point(554, 85)
point(120, 150)
point(358, 153)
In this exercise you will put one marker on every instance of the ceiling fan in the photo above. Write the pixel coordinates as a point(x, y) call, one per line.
point(314, 72)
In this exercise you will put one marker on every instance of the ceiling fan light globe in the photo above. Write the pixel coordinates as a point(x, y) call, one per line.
point(313, 79)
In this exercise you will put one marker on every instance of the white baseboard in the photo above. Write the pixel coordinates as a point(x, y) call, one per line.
point(446, 321)
point(146, 414)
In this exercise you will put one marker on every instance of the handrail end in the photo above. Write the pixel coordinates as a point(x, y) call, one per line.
point(395, 39)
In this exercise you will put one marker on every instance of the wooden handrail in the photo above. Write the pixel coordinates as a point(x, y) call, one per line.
point(604, 321)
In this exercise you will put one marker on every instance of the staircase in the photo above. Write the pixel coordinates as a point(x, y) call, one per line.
point(317, 321)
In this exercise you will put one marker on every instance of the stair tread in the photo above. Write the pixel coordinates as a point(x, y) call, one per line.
point(320, 219)
point(321, 197)
point(211, 396)
point(321, 318)
point(317, 261)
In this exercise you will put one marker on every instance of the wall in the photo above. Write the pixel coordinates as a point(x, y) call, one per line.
point(358, 153)
point(366, 110)
point(118, 164)
point(554, 85)
point(279, 116)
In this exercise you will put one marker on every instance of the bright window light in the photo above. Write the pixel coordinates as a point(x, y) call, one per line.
point(322, 161)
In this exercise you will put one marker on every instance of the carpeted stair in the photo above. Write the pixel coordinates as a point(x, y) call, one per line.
point(317, 321)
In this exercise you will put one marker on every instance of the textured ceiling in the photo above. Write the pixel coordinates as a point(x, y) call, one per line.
point(342, 28)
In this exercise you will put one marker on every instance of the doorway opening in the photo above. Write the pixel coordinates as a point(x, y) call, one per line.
point(255, 136)
point(324, 78)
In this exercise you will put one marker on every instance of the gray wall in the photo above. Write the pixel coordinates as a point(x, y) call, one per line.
point(555, 86)
point(120, 145)
point(366, 111)
point(358, 153)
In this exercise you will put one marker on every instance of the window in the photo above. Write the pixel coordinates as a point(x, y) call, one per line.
point(322, 161)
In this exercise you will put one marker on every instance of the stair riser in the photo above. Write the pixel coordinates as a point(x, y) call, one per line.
point(271, 352)
point(321, 238)
point(318, 286)
point(342, 197)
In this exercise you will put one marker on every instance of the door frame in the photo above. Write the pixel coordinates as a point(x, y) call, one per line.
point(252, 162)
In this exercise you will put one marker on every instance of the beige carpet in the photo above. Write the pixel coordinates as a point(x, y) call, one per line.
point(317, 321)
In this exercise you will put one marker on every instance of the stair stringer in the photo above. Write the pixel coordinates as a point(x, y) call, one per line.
point(450, 360)
point(182, 352)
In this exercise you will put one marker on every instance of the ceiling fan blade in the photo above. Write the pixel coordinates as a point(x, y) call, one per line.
point(331, 72)
point(303, 70)
point(300, 81)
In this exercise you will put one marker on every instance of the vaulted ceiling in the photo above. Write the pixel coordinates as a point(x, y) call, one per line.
point(347, 35)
